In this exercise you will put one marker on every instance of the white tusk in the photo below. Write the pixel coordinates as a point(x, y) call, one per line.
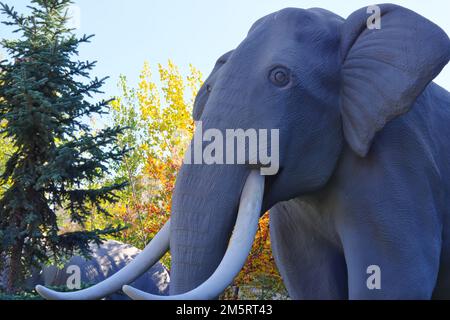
point(238, 249)
point(147, 258)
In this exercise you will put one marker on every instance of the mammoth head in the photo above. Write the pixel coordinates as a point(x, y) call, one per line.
point(323, 81)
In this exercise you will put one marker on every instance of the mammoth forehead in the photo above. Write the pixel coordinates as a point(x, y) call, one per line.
point(307, 26)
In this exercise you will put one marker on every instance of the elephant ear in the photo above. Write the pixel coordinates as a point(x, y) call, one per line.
point(385, 70)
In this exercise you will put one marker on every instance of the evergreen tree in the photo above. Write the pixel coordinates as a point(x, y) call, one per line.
point(45, 99)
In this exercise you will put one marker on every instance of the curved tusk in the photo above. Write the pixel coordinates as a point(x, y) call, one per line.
point(147, 258)
point(238, 249)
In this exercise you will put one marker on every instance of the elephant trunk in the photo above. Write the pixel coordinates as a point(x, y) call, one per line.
point(204, 208)
point(236, 253)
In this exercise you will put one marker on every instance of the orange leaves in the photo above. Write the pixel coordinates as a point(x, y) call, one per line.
point(169, 127)
point(259, 279)
point(260, 260)
point(158, 115)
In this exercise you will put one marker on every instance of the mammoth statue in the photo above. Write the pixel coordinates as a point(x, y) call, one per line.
point(105, 261)
point(363, 183)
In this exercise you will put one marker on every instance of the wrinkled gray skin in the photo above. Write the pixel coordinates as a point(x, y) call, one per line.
point(364, 156)
point(106, 260)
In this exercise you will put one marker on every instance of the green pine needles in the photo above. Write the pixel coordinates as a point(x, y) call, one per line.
point(45, 99)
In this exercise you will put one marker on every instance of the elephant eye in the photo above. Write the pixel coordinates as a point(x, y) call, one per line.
point(280, 76)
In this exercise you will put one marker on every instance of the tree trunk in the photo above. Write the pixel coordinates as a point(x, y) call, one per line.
point(15, 268)
point(236, 292)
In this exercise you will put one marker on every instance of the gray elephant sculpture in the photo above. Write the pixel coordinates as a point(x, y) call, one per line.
point(105, 261)
point(360, 205)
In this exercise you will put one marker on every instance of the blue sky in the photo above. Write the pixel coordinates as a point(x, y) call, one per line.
point(191, 31)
